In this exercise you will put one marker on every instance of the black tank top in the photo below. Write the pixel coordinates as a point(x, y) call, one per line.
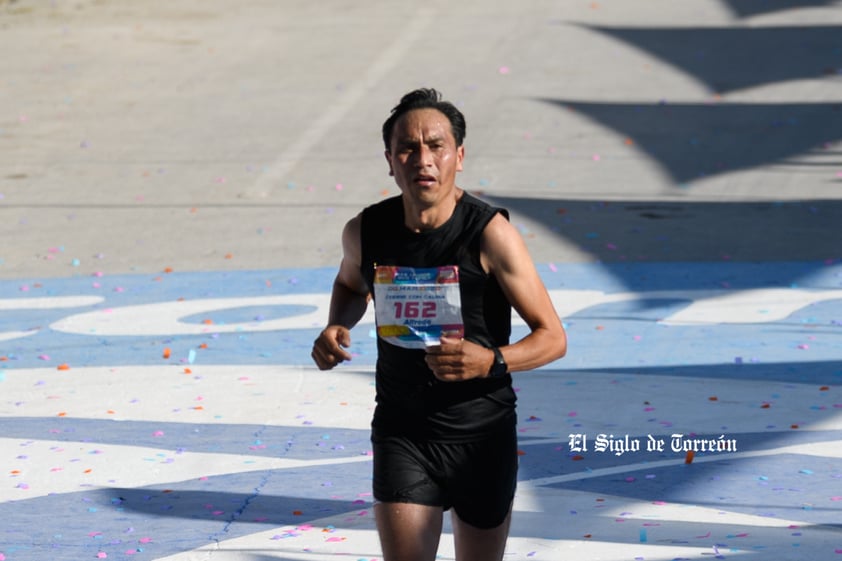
point(410, 400)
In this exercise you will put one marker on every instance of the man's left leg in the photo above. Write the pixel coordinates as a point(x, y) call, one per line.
point(479, 544)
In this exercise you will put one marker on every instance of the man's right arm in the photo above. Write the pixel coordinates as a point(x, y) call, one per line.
point(348, 302)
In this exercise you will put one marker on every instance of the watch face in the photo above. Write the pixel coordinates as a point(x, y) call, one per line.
point(499, 368)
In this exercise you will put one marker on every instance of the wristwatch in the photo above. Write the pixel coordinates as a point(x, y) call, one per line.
point(498, 367)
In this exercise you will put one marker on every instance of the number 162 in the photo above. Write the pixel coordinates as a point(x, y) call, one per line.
point(425, 310)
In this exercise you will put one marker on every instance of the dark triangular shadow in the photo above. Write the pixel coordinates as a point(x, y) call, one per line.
point(693, 141)
point(735, 58)
point(748, 8)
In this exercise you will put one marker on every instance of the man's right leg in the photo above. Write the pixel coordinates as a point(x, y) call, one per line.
point(408, 532)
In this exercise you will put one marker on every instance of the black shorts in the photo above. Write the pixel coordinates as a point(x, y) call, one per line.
point(476, 479)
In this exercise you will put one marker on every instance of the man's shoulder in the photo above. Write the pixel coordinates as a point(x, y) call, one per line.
point(480, 206)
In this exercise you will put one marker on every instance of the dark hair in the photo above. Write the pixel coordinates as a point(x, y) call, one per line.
point(425, 98)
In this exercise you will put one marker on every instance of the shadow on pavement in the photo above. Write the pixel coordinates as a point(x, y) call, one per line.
point(658, 231)
point(727, 59)
point(748, 8)
point(692, 141)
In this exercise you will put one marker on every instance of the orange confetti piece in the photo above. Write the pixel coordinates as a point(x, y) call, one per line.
point(207, 321)
point(688, 459)
point(110, 411)
point(62, 414)
point(588, 536)
point(188, 371)
point(765, 406)
point(793, 426)
point(713, 398)
point(229, 256)
point(89, 470)
point(168, 270)
point(297, 513)
point(63, 366)
point(203, 346)
point(15, 472)
point(521, 453)
point(167, 352)
point(577, 457)
point(824, 388)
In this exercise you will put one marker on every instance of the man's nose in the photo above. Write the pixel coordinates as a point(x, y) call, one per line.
point(424, 156)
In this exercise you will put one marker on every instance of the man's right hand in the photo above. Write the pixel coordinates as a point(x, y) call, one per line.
point(328, 348)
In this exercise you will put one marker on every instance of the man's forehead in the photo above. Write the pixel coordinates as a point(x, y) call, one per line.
point(426, 122)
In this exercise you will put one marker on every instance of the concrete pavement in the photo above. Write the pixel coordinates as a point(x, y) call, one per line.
point(174, 177)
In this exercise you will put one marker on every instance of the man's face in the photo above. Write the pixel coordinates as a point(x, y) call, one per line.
point(424, 157)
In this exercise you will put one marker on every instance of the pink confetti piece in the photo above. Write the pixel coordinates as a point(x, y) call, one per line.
point(504, 70)
point(101, 555)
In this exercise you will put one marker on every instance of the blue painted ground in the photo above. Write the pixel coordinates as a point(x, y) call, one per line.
point(619, 346)
point(634, 333)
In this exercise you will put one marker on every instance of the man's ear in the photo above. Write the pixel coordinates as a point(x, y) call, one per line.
point(389, 159)
point(460, 155)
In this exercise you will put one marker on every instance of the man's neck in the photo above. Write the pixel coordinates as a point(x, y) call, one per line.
point(429, 218)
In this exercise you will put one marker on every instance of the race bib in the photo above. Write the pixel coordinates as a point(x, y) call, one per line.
point(415, 308)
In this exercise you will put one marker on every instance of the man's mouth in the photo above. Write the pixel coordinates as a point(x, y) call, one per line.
point(425, 179)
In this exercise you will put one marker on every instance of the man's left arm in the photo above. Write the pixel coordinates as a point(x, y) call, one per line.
point(505, 255)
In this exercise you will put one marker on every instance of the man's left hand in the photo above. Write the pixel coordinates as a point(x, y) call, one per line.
point(456, 360)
